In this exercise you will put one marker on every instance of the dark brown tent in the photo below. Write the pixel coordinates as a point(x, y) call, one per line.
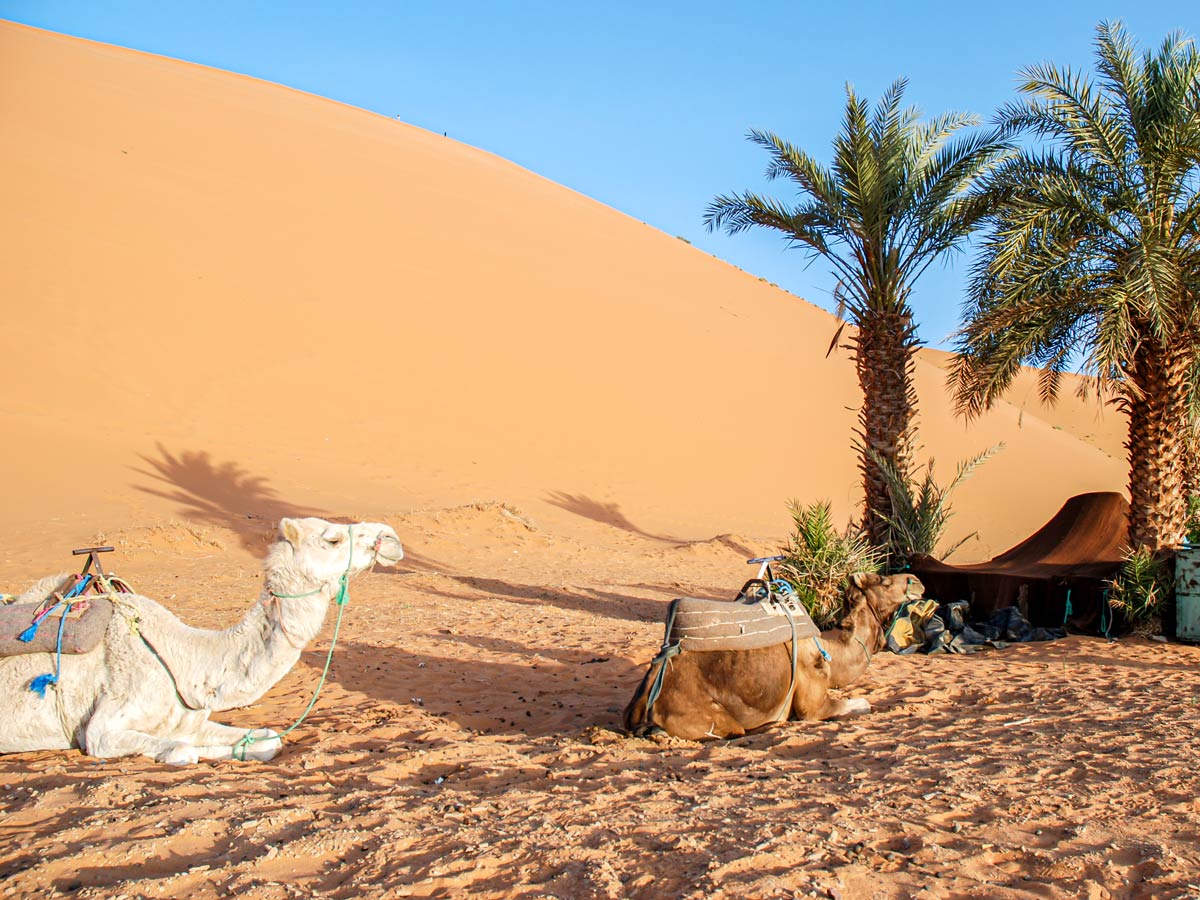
point(1070, 558)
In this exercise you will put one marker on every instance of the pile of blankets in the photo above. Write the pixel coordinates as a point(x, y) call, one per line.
point(930, 627)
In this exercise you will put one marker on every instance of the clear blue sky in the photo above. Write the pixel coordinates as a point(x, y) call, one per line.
point(643, 106)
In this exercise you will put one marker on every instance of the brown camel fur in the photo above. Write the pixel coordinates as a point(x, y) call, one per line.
point(727, 693)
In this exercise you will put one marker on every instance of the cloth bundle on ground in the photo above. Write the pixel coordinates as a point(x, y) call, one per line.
point(931, 627)
point(1058, 577)
point(721, 625)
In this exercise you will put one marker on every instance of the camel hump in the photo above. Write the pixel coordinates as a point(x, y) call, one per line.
point(726, 625)
point(83, 630)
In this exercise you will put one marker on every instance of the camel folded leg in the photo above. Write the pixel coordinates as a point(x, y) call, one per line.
point(712, 720)
point(110, 733)
point(216, 741)
point(812, 703)
point(852, 706)
point(110, 743)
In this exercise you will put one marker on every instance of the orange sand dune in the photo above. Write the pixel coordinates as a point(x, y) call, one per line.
point(228, 298)
point(1094, 421)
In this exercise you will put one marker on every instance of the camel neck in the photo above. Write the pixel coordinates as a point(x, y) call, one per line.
point(254, 654)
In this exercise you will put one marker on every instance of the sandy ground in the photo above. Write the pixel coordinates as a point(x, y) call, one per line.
point(227, 302)
point(468, 744)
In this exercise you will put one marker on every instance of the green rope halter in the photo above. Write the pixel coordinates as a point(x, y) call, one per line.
point(343, 595)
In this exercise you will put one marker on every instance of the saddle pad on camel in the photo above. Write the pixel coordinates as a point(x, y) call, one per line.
point(723, 625)
point(80, 634)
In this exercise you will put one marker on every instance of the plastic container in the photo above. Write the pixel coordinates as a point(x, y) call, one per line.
point(1187, 593)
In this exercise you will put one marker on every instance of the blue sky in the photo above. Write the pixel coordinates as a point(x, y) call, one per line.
point(643, 106)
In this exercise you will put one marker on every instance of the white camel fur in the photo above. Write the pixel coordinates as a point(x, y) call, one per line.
point(151, 684)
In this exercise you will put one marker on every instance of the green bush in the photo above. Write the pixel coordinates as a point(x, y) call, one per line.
point(920, 510)
point(1193, 523)
point(819, 560)
point(1140, 590)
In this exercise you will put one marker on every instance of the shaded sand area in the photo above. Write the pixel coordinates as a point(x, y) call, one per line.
point(466, 746)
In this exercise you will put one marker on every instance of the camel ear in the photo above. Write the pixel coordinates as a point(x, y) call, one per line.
point(289, 530)
point(857, 580)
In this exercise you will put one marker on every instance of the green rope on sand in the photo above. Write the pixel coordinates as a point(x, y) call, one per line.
point(343, 596)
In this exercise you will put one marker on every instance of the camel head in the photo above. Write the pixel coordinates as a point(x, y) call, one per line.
point(883, 593)
point(323, 551)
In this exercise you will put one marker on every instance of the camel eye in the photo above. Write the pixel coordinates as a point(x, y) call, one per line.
point(334, 540)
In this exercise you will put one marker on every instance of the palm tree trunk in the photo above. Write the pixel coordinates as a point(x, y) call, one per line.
point(883, 355)
point(1158, 447)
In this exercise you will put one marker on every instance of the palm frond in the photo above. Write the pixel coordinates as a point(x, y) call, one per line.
point(921, 509)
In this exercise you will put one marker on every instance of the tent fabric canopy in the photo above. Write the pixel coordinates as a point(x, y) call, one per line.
point(1058, 576)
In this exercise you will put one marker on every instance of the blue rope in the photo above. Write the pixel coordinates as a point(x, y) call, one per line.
point(1067, 611)
point(824, 652)
point(30, 633)
point(39, 684)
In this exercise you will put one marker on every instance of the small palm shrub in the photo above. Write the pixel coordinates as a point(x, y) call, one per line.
point(819, 560)
point(1141, 589)
point(1193, 522)
point(920, 509)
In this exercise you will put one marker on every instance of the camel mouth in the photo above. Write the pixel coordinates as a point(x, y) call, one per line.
point(389, 551)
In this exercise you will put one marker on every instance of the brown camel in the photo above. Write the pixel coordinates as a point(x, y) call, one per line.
point(727, 693)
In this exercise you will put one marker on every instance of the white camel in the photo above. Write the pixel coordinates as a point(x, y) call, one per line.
point(151, 684)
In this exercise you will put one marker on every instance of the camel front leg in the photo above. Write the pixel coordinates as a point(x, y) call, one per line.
point(111, 732)
point(216, 741)
point(812, 702)
point(98, 741)
point(851, 706)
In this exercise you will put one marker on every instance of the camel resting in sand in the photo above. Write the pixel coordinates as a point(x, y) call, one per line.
point(727, 693)
point(152, 682)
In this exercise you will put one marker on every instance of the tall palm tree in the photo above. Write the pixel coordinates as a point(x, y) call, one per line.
point(1093, 253)
point(895, 199)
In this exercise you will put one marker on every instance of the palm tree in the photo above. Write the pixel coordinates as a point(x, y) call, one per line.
point(895, 199)
point(1093, 254)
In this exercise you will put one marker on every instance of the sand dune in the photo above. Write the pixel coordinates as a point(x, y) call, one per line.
point(222, 282)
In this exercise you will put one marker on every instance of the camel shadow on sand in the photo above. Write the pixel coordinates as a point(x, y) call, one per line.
point(609, 604)
point(553, 691)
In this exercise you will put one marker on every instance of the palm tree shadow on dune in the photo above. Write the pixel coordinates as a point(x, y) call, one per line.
point(610, 514)
point(605, 513)
point(223, 494)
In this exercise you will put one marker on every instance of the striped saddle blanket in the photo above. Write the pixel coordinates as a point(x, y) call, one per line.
point(725, 625)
